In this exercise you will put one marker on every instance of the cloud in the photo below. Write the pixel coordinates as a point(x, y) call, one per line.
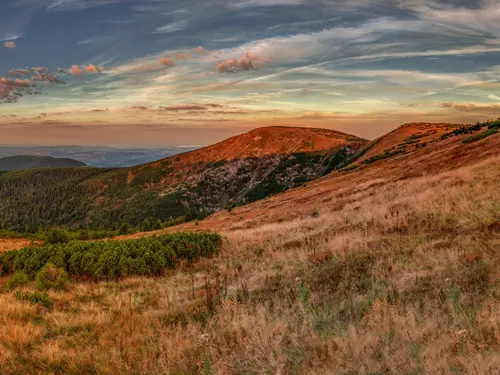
point(200, 50)
point(19, 72)
point(493, 97)
point(5, 91)
point(264, 3)
point(11, 90)
point(71, 5)
point(10, 44)
point(245, 63)
point(476, 107)
point(41, 70)
point(172, 27)
point(91, 68)
point(166, 62)
point(76, 70)
point(182, 56)
point(15, 83)
point(185, 107)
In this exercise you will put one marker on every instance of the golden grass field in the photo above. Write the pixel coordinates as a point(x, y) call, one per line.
point(398, 273)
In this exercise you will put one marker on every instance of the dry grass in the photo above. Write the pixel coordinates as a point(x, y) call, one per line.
point(393, 277)
point(7, 244)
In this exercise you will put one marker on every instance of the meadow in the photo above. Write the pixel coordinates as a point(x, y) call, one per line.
point(395, 277)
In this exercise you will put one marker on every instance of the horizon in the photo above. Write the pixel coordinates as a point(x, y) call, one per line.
point(132, 73)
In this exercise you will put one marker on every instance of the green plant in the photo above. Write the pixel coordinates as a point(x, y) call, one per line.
point(35, 298)
point(477, 137)
point(315, 213)
point(148, 256)
point(51, 277)
point(385, 155)
point(56, 235)
point(18, 279)
point(125, 228)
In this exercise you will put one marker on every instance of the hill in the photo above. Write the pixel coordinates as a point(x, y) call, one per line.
point(95, 156)
point(390, 268)
point(192, 185)
point(398, 156)
point(20, 162)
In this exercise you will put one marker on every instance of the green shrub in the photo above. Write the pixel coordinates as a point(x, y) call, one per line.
point(148, 256)
point(125, 228)
point(17, 280)
point(51, 277)
point(55, 236)
point(385, 155)
point(477, 137)
point(36, 298)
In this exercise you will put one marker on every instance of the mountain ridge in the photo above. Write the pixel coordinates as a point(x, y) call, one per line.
point(22, 162)
point(237, 171)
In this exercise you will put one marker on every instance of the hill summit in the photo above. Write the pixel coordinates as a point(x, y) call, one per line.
point(273, 140)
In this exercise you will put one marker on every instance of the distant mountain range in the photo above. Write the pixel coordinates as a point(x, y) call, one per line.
point(102, 157)
point(19, 162)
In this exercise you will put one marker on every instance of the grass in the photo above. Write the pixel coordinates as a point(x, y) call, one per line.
point(402, 278)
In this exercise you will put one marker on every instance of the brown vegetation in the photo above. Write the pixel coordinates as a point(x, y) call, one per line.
point(387, 270)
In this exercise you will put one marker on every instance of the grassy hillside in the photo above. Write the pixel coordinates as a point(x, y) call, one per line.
point(192, 185)
point(16, 163)
point(389, 269)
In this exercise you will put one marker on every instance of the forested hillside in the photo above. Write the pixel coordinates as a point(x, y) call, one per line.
point(192, 185)
point(20, 162)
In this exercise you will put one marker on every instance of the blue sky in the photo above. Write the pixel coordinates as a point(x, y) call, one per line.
point(138, 72)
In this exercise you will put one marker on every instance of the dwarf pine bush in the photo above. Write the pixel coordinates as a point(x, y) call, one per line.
point(148, 256)
point(18, 279)
point(51, 277)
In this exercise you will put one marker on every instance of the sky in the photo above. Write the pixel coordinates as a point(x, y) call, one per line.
point(192, 72)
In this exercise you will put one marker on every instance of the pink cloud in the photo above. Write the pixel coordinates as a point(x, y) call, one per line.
point(76, 70)
point(245, 63)
point(182, 56)
point(19, 72)
point(91, 68)
point(166, 62)
point(10, 44)
point(5, 90)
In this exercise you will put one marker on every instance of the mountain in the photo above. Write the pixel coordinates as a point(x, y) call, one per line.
point(14, 163)
point(411, 151)
point(100, 157)
point(237, 171)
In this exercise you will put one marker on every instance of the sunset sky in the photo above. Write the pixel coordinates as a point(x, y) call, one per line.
point(156, 72)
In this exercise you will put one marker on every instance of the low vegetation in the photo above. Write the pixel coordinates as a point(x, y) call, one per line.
point(399, 277)
point(148, 256)
point(479, 136)
point(385, 155)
